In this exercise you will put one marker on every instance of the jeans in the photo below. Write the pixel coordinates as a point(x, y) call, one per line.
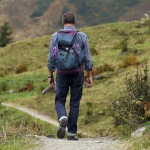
point(63, 83)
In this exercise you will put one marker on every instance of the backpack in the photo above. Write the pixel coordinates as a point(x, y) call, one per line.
point(67, 54)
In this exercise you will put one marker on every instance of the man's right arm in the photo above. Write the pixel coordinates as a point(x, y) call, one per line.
point(51, 68)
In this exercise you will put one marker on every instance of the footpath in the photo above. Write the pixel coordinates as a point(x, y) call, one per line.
point(44, 143)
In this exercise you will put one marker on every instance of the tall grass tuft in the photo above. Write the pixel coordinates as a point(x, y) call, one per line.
point(21, 68)
point(3, 86)
point(129, 61)
point(93, 51)
point(99, 69)
point(123, 45)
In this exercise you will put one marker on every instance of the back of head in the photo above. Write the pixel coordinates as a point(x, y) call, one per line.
point(69, 18)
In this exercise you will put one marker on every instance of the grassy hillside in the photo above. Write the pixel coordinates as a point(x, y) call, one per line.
point(41, 17)
point(15, 128)
point(106, 43)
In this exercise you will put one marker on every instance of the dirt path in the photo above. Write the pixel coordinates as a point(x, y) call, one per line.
point(44, 143)
point(82, 144)
point(33, 113)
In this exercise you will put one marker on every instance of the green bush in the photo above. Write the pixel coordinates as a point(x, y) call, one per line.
point(129, 109)
point(3, 86)
point(88, 112)
point(123, 45)
point(5, 34)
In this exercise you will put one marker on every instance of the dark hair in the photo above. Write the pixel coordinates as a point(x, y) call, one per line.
point(69, 17)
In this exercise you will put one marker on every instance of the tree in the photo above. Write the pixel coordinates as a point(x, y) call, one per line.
point(5, 34)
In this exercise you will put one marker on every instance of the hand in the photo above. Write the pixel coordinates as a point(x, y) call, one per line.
point(51, 82)
point(89, 82)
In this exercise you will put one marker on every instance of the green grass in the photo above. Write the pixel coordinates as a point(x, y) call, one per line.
point(34, 56)
point(15, 125)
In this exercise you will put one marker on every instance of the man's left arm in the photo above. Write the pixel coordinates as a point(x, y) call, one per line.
point(88, 62)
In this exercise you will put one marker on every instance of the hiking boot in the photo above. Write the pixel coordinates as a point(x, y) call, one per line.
point(62, 128)
point(73, 138)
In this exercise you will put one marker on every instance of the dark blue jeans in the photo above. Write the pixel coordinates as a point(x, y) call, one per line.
point(63, 83)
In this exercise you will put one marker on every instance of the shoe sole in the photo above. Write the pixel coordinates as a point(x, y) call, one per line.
point(72, 139)
point(62, 130)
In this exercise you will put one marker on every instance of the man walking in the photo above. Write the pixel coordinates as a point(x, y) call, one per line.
point(70, 55)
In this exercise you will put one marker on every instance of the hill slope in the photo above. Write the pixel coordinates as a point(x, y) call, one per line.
point(41, 17)
point(104, 40)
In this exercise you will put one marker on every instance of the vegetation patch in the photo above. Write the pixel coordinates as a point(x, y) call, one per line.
point(133, 107)
point(129, 61)
point(41, 8)
point(95, 12)
point(21, 68)
point(15, 126)
point(99, 69)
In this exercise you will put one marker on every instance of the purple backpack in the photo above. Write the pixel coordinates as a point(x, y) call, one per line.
point(67, 56)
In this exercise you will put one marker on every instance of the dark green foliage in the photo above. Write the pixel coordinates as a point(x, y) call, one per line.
point(129, 109)
point(123, 45)
point(88, 112)
point(5, 34)
point(138, 87)
point(65, 9)
point(42, 7)
point(147, 23)
point(97, 12)
point(3, 86)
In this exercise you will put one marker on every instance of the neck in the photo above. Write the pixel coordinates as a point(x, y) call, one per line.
point(69, 25)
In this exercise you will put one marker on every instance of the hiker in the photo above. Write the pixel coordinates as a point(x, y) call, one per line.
point(70, 55)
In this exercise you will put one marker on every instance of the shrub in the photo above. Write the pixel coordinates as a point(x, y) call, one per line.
point(3, 73)
point(94, 51)
point(88, 112)
point(99, 69)
point(21, 68)
point(123, 45)
point(140, 40)
point(5, 34)
point(3, 86)
point(129, 61)
point(29, 87)
point(130, 109)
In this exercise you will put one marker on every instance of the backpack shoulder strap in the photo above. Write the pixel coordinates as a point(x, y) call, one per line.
point(65, 31)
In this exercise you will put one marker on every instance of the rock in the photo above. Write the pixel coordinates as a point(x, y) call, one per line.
point(11, 91)
point(123, 53)
point(99, 77)
point(47, 90)
point(50, 136)
point(101, 113)
point(138, 132)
